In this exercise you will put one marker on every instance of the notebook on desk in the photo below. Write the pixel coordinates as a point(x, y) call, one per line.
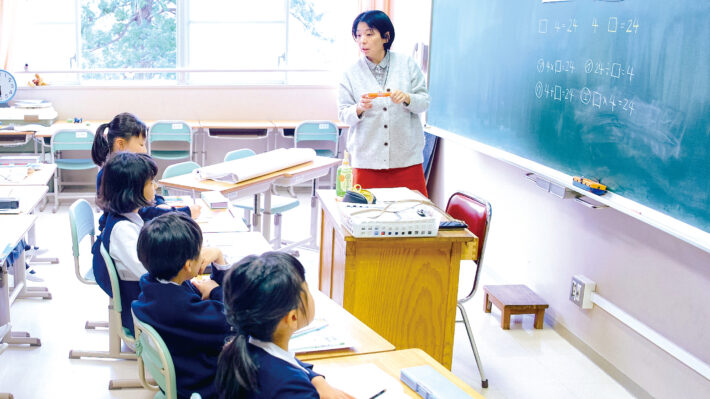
point(318, 336)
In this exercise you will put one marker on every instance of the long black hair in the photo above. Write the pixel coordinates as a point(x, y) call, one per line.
point(258, 292)
point(125, 176)
point(376, 19)
point(122, 126)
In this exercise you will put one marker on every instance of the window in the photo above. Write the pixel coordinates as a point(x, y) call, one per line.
point(185, 41)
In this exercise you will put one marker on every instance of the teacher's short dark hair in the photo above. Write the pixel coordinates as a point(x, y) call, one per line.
point(377, 19)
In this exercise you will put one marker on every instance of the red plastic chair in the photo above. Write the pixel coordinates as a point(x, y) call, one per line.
point(476, 212)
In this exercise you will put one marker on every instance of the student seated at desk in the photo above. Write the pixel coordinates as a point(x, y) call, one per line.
point(188, 315)
point(127, 186)
point(266, 300)
point(126, 132)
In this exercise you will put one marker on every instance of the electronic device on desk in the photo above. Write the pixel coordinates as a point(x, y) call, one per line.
point(396, 219)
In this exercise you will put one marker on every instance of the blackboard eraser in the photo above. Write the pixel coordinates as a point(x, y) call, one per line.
point(589, 185)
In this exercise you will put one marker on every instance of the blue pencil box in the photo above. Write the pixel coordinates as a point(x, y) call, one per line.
point(430, 384)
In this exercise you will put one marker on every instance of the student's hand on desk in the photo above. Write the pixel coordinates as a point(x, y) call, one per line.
point(195, 211)
point(164, 206)
point(205, 286)
point(211, 255)
point(364, 104)
point(326, 391)
point(398, 96)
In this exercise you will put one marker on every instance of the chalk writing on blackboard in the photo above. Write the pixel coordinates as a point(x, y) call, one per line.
point(586, 96)
point(570, 25)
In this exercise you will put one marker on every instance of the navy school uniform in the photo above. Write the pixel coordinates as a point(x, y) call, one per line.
point(279, 379)
point(194, 330)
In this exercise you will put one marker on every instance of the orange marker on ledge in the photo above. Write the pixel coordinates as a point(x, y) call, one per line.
point(380, 94)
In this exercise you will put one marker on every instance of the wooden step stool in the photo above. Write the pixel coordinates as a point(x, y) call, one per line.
point(514, 299)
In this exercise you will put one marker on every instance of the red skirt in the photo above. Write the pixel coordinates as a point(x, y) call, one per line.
point(411, 177)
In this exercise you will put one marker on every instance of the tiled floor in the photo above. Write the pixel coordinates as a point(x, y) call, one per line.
point(519, 363)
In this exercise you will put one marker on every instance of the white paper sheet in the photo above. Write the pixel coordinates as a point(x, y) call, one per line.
point(236, 246)
point(363, 381)
point(256, 165)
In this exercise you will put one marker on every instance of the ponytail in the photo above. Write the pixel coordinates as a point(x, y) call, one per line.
point(236, 371)
point(100, 149)
point(258, 292)
point(122, 126)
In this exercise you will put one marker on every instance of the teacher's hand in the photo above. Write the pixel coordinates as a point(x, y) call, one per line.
point(398, 96)
point(364, 104)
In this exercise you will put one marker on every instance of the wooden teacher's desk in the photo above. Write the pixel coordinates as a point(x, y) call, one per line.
point(392, 363)
point(403, 288)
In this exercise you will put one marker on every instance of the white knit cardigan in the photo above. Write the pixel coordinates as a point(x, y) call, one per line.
point(388, 135)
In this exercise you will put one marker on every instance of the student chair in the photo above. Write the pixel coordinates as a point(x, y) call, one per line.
point(79, 139)
point(154, 356)
point(178, 169)
point(117, 332)
point(81, 223)
point(476, 212)
point(175, 132)
point(279, 204)
point(319, 133)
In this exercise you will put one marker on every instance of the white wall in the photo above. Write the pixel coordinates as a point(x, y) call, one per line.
point(190, 103)
point(540, 240)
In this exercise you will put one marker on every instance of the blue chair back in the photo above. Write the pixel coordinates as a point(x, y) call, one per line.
point(72, 139)
point(81, 221)
point(180, 169)
point(238, 154)
point(154, 356)
point(170, 131)
point(316, 131)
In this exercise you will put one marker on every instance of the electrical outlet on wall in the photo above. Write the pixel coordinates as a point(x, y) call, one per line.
point(580, 292)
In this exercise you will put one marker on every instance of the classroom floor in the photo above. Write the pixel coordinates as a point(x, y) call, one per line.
point(519, 363)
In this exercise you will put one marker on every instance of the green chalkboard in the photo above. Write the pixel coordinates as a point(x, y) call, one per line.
point(614, 90)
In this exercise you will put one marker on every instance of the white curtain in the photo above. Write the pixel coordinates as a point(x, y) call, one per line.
point(8, 16)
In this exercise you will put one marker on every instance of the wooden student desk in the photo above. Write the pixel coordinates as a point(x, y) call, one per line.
point(14, 228)
point(364, 338)
point(403, 288)
point(257, 186)
point(392, 363)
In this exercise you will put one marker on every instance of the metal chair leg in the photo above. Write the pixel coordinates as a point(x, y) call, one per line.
point(56, 191)
point(277, 231)
point(484, 380)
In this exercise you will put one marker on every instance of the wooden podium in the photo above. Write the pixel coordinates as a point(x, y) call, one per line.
point(403, 288)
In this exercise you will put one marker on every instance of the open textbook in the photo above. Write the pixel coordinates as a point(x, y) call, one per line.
point(256, 165)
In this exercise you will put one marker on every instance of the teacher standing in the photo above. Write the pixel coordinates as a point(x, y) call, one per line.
point(386, 137)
